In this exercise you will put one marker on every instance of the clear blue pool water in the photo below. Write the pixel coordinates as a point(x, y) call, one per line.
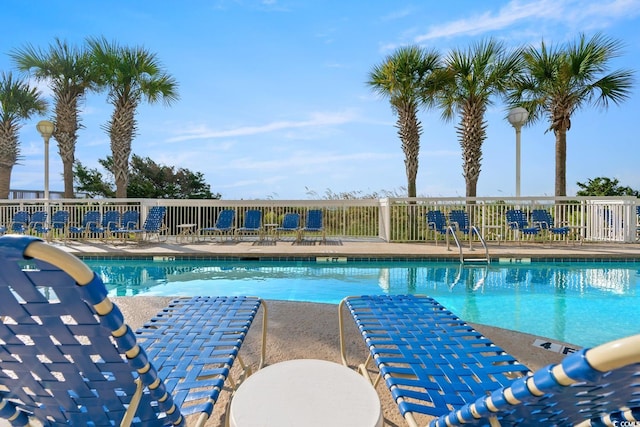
point(580, 303)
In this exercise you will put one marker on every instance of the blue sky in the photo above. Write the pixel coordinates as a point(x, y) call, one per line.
point(274, 104)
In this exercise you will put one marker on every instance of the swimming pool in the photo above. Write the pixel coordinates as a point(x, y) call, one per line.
point(580, 303)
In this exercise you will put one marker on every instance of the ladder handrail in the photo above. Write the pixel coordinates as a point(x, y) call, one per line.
point(484, 244)
point(452, 231)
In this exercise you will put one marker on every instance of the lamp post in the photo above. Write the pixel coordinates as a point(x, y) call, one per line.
point(517, 117)
point(45, 127)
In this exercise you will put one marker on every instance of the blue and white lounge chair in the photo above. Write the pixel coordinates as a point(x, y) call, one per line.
point(252, 224)
point(223, 225)
point(90, 223)
point(290, 224)
point(110, 223)
point(38, 223)
point(436, 222)
point(153, 227)
point(437, 365)
point(542, 219)
point(68, 358)
point(314, 223)
point(459, 219)
point(518, 223)
point(129, 220)
point(19, 223)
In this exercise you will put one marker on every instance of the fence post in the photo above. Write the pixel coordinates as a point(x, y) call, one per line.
point(384, 222)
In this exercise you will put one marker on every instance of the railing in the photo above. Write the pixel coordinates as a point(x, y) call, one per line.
point(611, 219)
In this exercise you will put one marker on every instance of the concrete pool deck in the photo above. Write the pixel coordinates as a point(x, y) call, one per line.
point(306, 330)
point(351, 248)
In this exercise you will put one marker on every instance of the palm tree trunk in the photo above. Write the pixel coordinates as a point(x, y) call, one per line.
point(5, 180)
point(409, 129)
point(66, 149)
point(561, 162)
point(122, 129)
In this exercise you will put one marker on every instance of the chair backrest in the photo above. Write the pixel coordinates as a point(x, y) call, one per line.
point(111, 220)
point(130, 219)
point(37, 221)
point(516, 219)
point(591, 384)
point(225, 219)
point(252, 219)
point(542, 218)
point(20, 222)
point(436, 220)
point(59, 358)
point(461, 218)
point(60, 219)
point(291, 221)
point(91, 218)
point(314, 219)
point(155, 218)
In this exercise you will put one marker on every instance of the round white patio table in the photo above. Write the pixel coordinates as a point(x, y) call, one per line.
point(305, 392)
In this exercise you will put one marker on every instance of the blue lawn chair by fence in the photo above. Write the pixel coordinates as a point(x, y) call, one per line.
point(153, 227)
point(19, 223)
point(68, 358)
point(129, 220)
point(110, 223)
point(314, 224)
point(223, 225)
point(290, 225)
point(436, 364)
point(459, 219)
point(437, 222)
point(517, 222)
point(542, 219)
point(38, 222)
point(252, 224)
point(90, 223)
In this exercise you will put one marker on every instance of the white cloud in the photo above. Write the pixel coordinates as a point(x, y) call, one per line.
point(316, 120)
point(567, 12)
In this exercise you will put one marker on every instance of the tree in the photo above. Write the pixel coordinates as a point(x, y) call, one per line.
point(18, 102)
point(602, 186)
point(405, 77)
point(67, 71)
point(473, 78)
point(131, 76)
point(559, 81)
point(148, 180)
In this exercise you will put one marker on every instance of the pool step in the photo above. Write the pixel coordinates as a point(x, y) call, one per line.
point(475, 261)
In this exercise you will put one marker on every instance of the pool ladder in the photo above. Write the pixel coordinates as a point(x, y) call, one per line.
point(473, 230)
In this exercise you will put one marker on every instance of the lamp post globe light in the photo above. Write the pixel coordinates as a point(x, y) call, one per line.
point(45, 127)
point(517, 117)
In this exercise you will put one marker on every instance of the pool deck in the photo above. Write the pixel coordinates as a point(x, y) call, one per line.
point(337, 248)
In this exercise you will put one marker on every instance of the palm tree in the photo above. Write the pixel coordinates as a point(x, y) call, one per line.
point(559, 81)
point(18, 102)
point(130, 75)
point(67, 71)
point(474, 77)
point(404, 77)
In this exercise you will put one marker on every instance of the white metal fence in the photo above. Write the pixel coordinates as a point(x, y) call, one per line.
point(611, 219)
